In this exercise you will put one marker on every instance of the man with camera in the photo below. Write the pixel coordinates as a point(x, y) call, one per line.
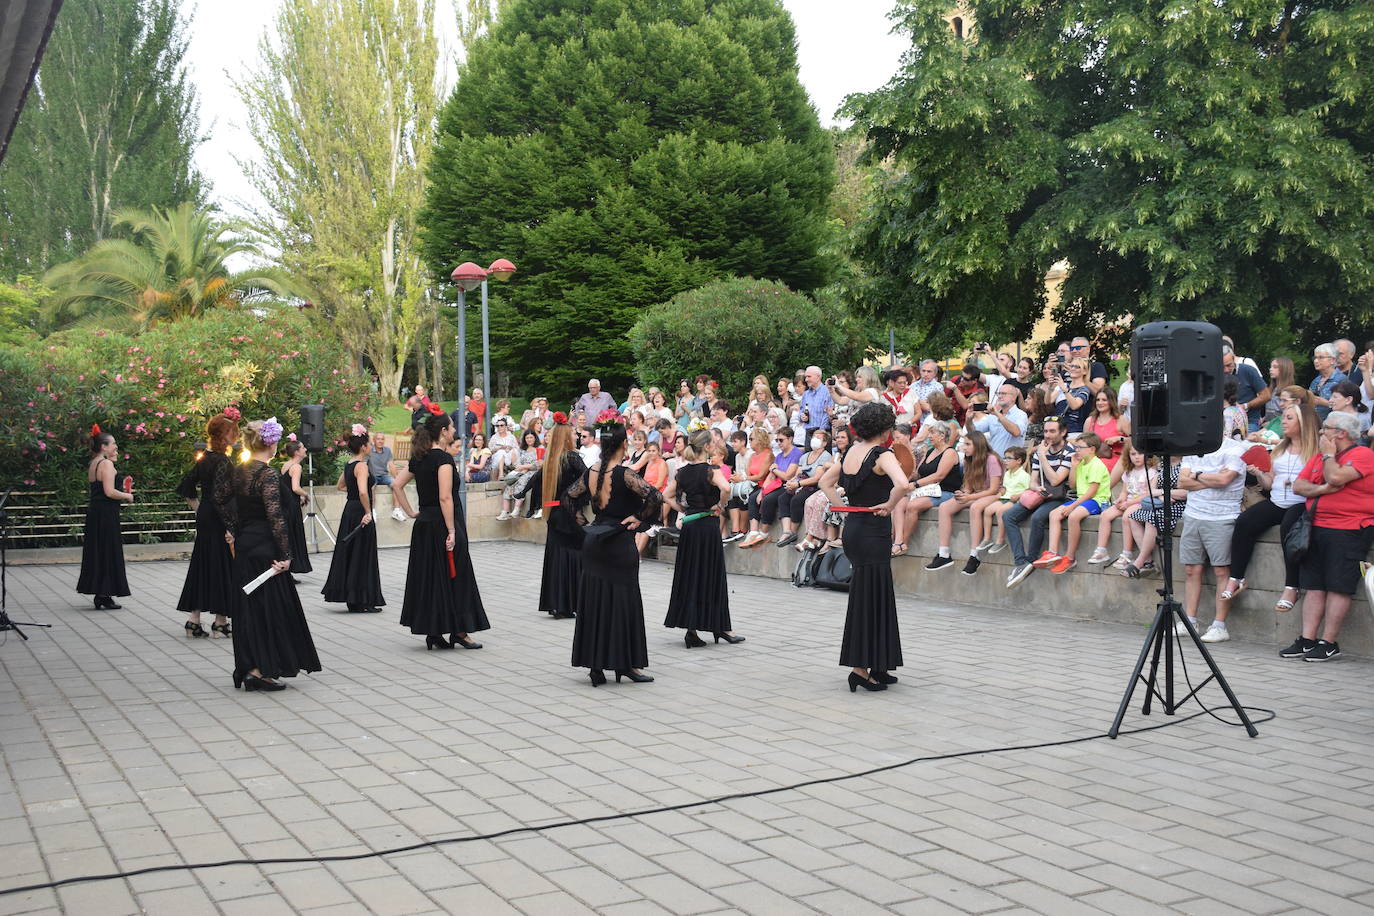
point(1001, 420)
point(816, 403)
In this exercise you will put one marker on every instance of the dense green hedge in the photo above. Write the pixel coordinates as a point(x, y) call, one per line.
point(735, 329)
point(154, 392)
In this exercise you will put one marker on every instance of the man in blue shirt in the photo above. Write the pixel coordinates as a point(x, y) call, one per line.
point(1003, 422)
point(1251, 391)
point(816, 403)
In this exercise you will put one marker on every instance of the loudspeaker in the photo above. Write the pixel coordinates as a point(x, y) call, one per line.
point(1178, 378)
point(312, 427)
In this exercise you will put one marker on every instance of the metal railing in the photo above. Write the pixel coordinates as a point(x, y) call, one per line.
point(38, 518)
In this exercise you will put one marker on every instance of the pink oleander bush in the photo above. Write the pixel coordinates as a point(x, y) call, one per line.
point(154, 392)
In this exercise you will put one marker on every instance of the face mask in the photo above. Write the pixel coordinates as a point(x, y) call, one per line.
point(817, 442)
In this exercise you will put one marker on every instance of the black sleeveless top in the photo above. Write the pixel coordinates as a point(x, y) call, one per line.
point(953, 480)
point(695, 491)
point(863, 487)
point(351, 485)
point(425, 469)
point(98, 490)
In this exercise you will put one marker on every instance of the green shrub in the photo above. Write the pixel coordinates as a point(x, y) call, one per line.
point(735, 329)
point(154, 392)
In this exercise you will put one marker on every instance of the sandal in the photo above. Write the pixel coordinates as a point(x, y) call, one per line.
point(898, 549)
point(1131, 571)
point(1230, 591)
point(1285, 605)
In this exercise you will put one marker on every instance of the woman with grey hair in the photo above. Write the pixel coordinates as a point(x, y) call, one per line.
point(1328, 375)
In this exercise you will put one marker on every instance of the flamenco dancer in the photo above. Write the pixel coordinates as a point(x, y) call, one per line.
point(610, 613)
point(441, 589)
point(354, 578)
point(292, 499)
point(700, 598)
point(562, 576)
point(210, 577)
point(871, 478)
point(102, 548)
point(271, 638)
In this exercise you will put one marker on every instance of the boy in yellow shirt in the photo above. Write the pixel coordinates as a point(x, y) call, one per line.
point(1092, 488)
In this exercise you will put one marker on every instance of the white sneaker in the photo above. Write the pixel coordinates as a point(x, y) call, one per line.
point(503, 516)
point(653, 531)
point(1182, 629)
point(1100, 555)
point(538, 513)
point(998, 548)
point(1216, 634)
point(987, 544)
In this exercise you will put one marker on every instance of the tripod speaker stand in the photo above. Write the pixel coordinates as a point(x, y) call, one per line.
point(312, 518)
point(5, 622)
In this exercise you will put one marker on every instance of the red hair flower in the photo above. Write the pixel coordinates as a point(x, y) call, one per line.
point(560, 418)
point(715, 384)
point(95, 429)
point(435, 409)
point(232, 413)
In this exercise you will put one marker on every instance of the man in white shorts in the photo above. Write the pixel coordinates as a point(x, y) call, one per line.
point(1216, 483)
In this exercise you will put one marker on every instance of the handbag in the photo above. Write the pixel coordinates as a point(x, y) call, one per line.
point(1030, 499)
point(1298, 538)
point(833, 570)
point(741, 489)
point(596, 534)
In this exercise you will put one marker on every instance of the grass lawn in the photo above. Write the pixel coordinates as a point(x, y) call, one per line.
point(396, 419)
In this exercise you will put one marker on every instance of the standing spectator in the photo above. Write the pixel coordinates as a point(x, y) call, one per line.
point(1050, 466)
point(464, 422)
point(593, 402)
point(964, 386)
point(1281, 375)
point(1125, 395)
point(1324, 361)
point(1112, 430)
point(1272, 430)
point(816, 403)
point(1345, 398)
point(502, 413)
point(1022, 382)
point(1345, 360)
point(1251, 391)
point(1215, 483)
point(926, 384)
point(1097, 377)
point(658, 409)
point(1077, 400)
point(380, 462)
point(418, 399)
point(894, 390)
point(539, 407)
point(1003, 423)
point(478, 405)
point(1339, 484)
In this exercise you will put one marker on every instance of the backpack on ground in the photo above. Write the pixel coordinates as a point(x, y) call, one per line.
point(804, 575)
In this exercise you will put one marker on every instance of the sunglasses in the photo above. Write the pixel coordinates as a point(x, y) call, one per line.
point(1078, 346)
point(1052, 420)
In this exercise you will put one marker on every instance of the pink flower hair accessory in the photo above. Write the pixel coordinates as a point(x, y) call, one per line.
point(232, 413)
point(359, 429)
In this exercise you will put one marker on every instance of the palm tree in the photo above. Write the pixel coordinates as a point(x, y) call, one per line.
point(173, 264)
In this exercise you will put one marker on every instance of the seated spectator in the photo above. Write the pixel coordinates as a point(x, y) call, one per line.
point(537, 427)
point(1283, 507)
point(479, 460)
point(940, 413)
point(380, 462)
point(758, 465)
point(785, 467)
point(1002, 422)
point(1092, 492)
point(1272, 429)
point(895, 383)
point(1281, 376)
point(1125, 395)
point(539, 407)
point(634, 423)
point(504, 448)
point(665, 435)
point(1130, 478)
point(1109, 426)
point(518, 479)
point(1345, 398)
point(1051, 481)
point(801, 487)
point(588, 447)
point(720, 418)
point(987, 512)
point(502, 413)
point(658, 409)
point(1340, 479)
point(982, 480)
point(655, 473)
point(1040, 410)
point(936, 478)
point(1232, 414)
point(1147, 521)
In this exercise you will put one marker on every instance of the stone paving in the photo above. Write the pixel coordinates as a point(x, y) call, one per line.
point(124, 746)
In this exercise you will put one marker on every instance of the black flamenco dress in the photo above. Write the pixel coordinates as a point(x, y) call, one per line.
point(295, 527)
point(700, 598)
point(610, 618)
point(441, 588)
point(870, 639)
point(562, 575)
point(102, 547)
point(210, 577)
point(270, 632)
point(354, 577)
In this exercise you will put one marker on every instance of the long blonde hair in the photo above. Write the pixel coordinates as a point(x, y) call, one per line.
point(1307, 432)
point(560, 443)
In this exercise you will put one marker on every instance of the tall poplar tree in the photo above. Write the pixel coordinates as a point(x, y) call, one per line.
point(343, 104)
point(619, 153)
point(1194, 161)
point(111, 122)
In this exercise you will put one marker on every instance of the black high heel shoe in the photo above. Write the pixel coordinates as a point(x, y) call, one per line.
point(107, 603)
point(196, 631)
point(728, 638)
point(221, 630)
point(858, 680)
point(563, 615)
point(253, 682)
point(238, 679)
point(598, 677)
point(437, 642)
point(692, 640)
point(464, 643)
point(634, 678)
point(882, 677)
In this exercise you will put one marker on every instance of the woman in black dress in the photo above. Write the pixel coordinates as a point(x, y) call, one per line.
point(610, 613)
point(441, 588)
point(271, 638)
point(292, 499)
point(871, 477)
point(561, 579)
point(102, 548)
point(210, 577)
point(354, 578)
point(700, 598)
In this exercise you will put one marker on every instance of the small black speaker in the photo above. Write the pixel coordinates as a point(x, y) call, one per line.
point(312, 427)
point(1178, 379)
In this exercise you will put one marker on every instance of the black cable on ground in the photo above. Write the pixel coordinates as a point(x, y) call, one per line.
point(602, 818)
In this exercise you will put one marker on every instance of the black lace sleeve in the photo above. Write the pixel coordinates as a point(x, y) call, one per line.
point(574, 468)
point(653, 500)
point(577, 493)
point(267, 484)
point(223, 497)
point(187, 487)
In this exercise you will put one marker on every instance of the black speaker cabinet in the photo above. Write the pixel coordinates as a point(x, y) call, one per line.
point(312, 427)
point(1178, 379)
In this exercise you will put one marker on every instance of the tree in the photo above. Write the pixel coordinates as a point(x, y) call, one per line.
point(1208, 161)
point(21, 310)
point(619, 153)
point(343, 105)
point(110, 123)
point(172, 265)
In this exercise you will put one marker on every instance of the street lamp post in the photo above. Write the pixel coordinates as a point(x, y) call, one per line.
point(466, 276)
point(500, 269)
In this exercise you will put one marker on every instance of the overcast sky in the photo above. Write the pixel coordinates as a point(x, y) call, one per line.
point(843, 47)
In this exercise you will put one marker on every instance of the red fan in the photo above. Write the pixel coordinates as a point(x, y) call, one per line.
point(852, 508)
point(539, 452)
point(128, 483)
point(452, 567)
point(1258, 456)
